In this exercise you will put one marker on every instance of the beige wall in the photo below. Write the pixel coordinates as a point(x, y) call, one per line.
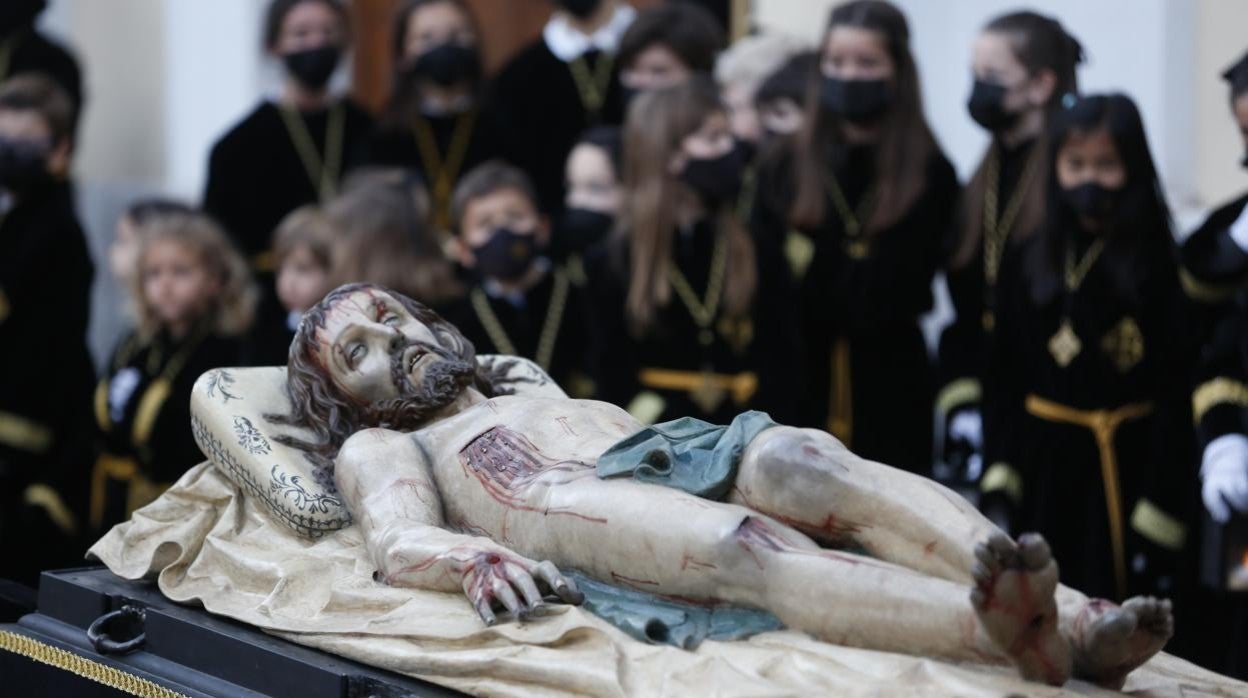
point(1222, 38)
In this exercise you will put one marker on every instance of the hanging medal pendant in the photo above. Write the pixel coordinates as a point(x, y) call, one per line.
point(1065, 345)
point(710, 393)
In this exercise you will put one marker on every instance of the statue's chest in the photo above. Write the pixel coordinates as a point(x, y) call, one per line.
point(506, 462)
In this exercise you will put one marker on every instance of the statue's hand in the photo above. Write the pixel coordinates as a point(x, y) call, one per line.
point(499, 578)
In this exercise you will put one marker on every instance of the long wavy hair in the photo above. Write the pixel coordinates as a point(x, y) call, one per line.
point(658, 123)
point(404, 104)
point(1140, 233)
point(906, 142)
point(1040, 44)
point(330, 414)
point(230, 311)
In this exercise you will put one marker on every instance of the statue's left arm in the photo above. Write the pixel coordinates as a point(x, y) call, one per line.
point(386, 481)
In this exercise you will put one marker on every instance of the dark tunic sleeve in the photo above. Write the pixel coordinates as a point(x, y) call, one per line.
point(1220, 399)
point(1213, 265)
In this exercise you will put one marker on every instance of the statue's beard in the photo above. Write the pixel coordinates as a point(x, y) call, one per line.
point(442, 382)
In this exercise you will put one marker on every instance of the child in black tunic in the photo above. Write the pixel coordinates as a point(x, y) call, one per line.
point(558, 86)
point(689, 316)
point(302, 247)
point(593, 200)
point(193, 297)
point(1091, 360)
point(520, 303)
point(45, 369)
point(1023, 65)
point(434, 122)
point(861, 200)
point(667, 45)
point(293, 151)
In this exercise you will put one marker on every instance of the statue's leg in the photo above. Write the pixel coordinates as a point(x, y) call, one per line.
point(809, 480)
point(669, 543)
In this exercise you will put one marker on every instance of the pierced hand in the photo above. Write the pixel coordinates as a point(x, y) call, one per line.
point(502, 579)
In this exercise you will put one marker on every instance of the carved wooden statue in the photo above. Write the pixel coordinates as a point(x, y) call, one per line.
point(457, 488)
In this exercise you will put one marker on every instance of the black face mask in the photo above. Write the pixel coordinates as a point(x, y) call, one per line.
point(856, 101)
point(448, 64)
point(23, 164)
point(1091, 200)
point(580, 229)
point(312, 67)
point(987, 107)
point(507, 255)
point(716, 180)
point(579, 8)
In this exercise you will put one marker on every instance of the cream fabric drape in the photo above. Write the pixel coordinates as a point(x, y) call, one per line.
point(205, 542)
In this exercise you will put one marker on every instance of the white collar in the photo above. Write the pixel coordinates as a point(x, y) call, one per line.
point(568, 44)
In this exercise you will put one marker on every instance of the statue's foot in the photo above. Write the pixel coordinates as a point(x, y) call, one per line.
point(1111, 641)
point(1013, 596)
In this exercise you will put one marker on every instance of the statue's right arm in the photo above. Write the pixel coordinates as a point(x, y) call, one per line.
point(386, 481)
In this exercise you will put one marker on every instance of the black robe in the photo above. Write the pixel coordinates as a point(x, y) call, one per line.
point(524, 325)
point(140, 424)
point(860, 307)
point(540, 115)
point(763, 343)
point(46, 376)
point(395, 145)
point(964, 343)
point(1135, 362)
point(256, 177)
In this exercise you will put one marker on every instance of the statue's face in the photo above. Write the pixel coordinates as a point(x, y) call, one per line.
point(370, 341)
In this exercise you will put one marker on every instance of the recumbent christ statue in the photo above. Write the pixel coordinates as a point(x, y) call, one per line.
point(459, 488)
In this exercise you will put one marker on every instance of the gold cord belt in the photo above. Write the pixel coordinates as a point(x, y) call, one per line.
point(1104, 425)
point(707, 389)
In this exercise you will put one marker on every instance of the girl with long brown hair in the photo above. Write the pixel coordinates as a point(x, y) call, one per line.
point(689, 313)
point(435, 121)
point(1024, 66)
point(865, 197)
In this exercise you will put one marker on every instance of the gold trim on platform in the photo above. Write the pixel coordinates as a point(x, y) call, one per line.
point(81, 666)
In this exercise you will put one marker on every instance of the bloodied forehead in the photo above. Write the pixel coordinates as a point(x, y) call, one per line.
point(368, 308)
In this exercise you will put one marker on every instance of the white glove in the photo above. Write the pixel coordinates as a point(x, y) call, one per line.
point(968, 426)
point(1239, 230)
point(1224, 472)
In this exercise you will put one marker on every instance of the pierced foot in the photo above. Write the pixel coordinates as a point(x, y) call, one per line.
point(1111, 641)
point(1013, 596)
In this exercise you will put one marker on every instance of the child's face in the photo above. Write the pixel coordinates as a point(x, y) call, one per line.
point(176, 283)
point(301, 280)
point(308, 25)
point(505, 208)
point(28, 127)
point(1090, 157)
point(655, 68)
point(591, 180)
point(435, 24)
point(123, 254)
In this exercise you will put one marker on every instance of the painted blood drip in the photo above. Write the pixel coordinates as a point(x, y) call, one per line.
point(507, 464)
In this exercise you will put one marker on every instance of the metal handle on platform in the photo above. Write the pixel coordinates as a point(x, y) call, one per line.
point(118, 632)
